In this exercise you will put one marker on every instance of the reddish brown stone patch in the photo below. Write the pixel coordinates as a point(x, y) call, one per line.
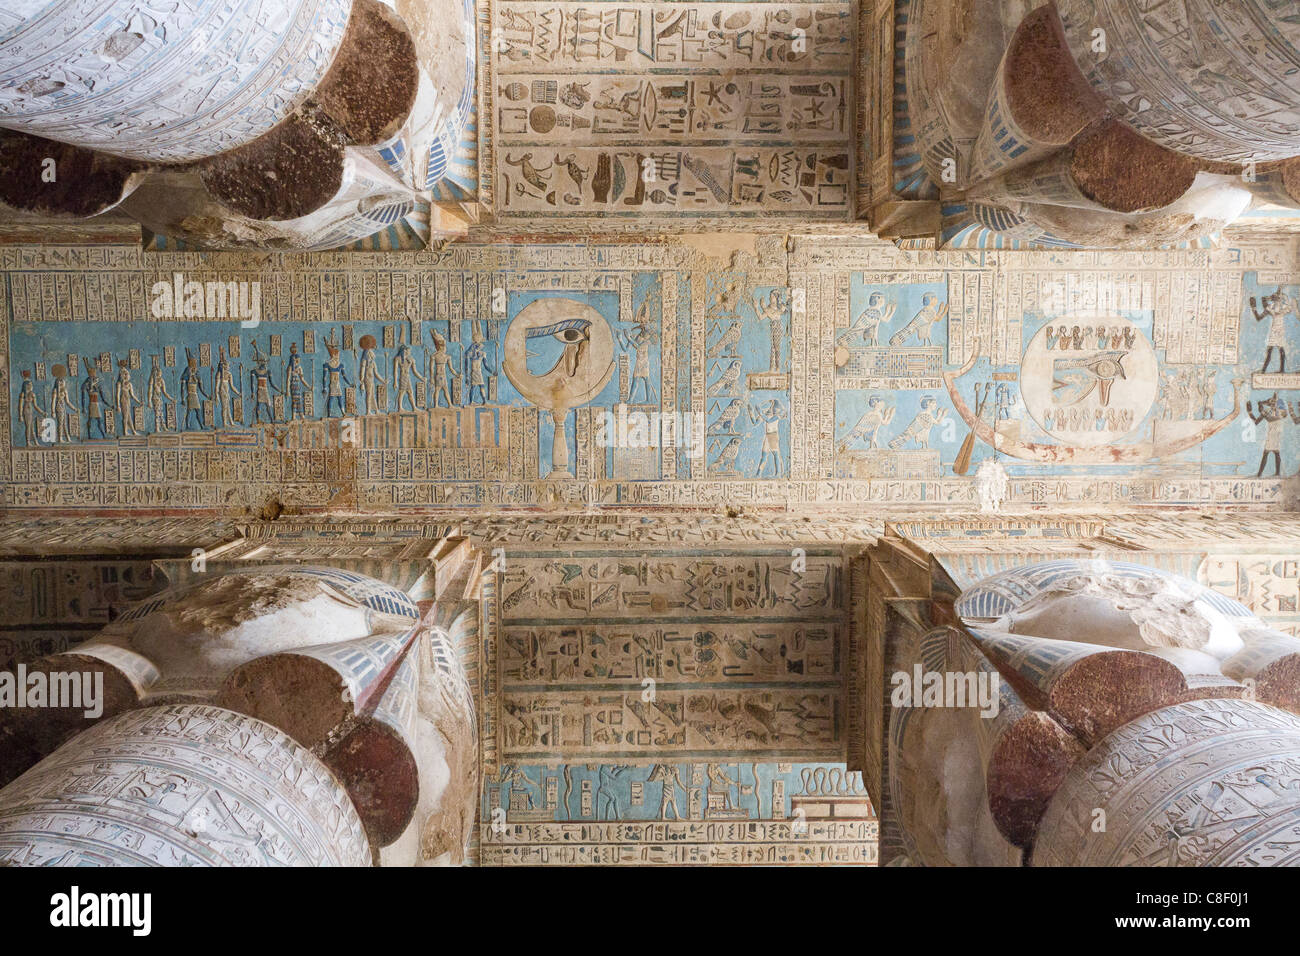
point(1028, 764)
point(300, 695)
point(1279, 683)
point(379, 772)
point(1106, 690)
point(1126, 172)
point(286, 173)
point(1047, 94)
point(86, 182)
point(28, 735)
point(371, 85)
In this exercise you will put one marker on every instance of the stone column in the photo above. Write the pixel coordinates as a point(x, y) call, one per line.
point(1077, 713)
point(253, 123)
point(180, 785)
point(169, 82)
point(1106, 122)
point(348, 669)
point(1207, 79)
point(1207, 783)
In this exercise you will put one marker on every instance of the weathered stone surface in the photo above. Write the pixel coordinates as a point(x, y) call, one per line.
point(1118, 678)
point(191, 785)
point(275, 147)
point(285, 174)
point(1204, 783)
point(107, 75)
point(1095, 129)
point(370, 87)
point(45, 178)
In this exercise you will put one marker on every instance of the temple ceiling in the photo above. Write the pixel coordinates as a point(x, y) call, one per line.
point(670, 311)
point(807, 374)
point(650, 688)
point(932, 123)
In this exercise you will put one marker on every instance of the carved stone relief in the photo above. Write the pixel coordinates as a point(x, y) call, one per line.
point(180, 785)
point(1085, 123)
point(634, 113)
point(1107, 680)
point(342, 663)
point(817, 377)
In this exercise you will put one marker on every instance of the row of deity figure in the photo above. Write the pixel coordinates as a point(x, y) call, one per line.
point(379, 383)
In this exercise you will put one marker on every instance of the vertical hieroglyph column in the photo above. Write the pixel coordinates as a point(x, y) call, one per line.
point(163, 82)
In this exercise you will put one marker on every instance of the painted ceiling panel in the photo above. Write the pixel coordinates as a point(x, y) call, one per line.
point(847, 373)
